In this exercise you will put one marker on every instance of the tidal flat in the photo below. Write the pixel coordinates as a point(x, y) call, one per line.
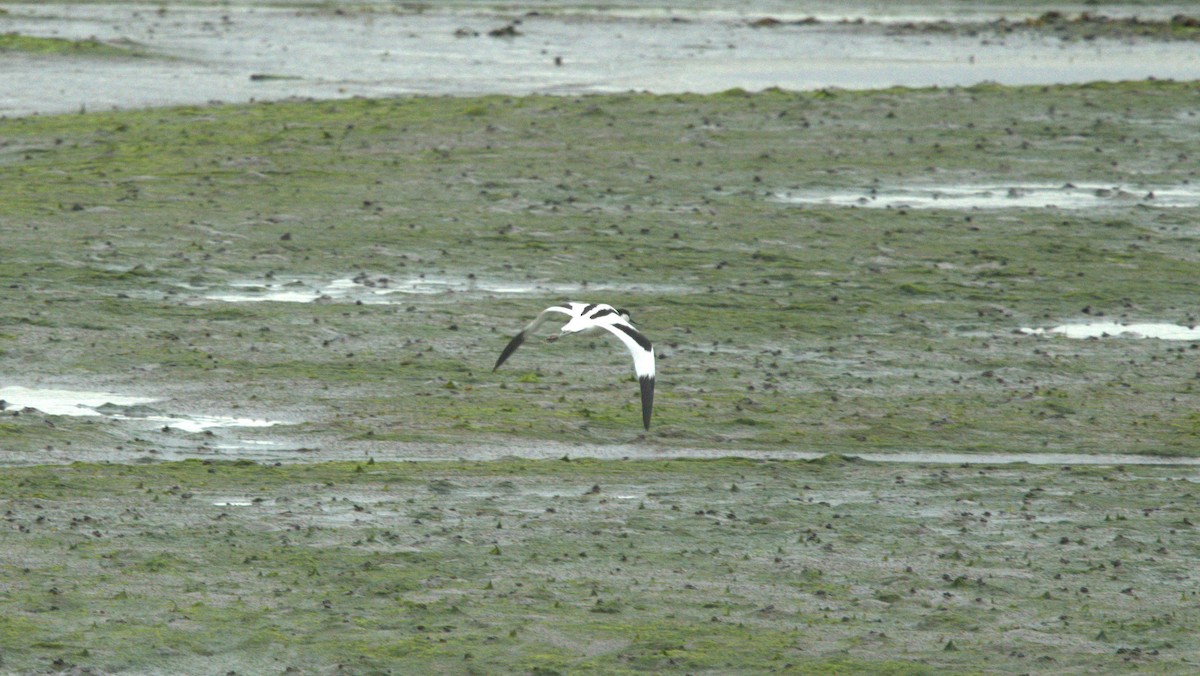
point(409, 238)
point(779, 325)
point(553, 566)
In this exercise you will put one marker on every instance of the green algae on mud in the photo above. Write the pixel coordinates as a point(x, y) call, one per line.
point(616, 567)
point(90, 47)
point(814, 328)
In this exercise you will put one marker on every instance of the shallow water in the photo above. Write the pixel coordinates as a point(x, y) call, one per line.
point(64, 402)
point(386, 290)
point(203, 423)
point(1115, 329)
point(1017, 196)
point(552, 451)
point(283, 447)
point(238, 53)
point(116, 407)
point(283, 451)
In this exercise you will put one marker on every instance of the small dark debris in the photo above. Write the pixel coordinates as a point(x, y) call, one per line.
point(509, 31)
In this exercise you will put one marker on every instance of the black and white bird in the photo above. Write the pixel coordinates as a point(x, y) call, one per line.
point(587, 317)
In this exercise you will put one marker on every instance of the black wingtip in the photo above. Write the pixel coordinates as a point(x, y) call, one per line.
point(509, 349)
point(647, 383)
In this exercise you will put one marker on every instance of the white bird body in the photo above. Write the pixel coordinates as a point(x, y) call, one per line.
point(588, 317)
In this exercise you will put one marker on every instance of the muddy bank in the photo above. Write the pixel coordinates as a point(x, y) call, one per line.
point(196, 54)
point(1083, 26)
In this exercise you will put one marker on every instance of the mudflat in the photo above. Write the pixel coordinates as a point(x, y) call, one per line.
point(325, 285)
point(345, 274)
point(554, 566)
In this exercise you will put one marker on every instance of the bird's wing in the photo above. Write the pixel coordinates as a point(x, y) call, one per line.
point(530, 328)
point(643, 361)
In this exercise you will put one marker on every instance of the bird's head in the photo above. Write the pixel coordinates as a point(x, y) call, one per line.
point(624, 314)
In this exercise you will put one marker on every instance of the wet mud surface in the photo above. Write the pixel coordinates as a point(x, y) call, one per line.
point(351, 270)
point(619, 567)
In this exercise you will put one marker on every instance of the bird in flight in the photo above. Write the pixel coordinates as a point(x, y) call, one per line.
point(587, 317)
